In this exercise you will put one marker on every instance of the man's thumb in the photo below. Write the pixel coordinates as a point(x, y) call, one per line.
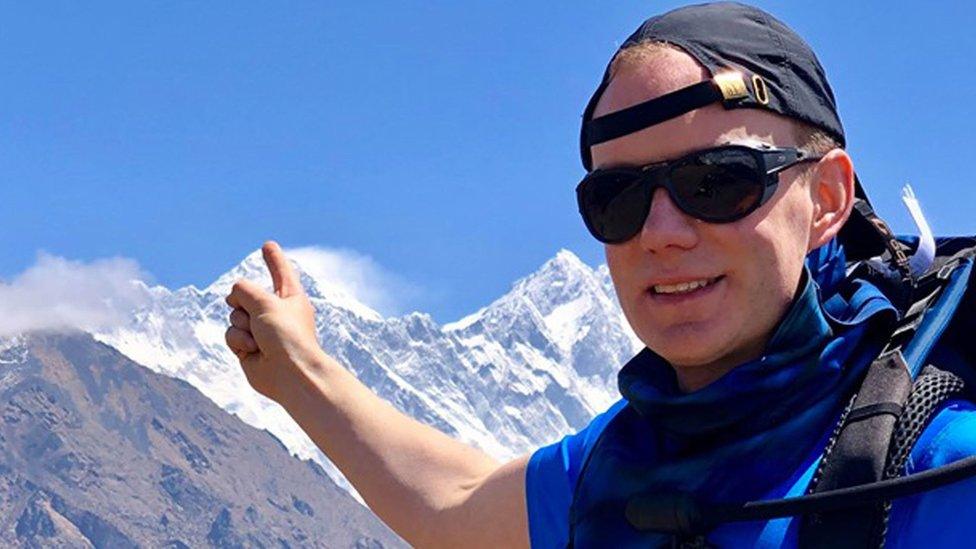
point(283, 276)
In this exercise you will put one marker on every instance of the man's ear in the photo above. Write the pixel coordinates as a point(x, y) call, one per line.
point(832, 190)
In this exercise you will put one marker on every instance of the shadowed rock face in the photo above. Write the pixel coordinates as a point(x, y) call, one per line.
point(97, 451)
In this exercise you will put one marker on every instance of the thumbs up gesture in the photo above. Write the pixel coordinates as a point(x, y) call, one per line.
point(273, 335)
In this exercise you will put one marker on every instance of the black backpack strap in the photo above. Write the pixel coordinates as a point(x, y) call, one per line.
point(929, 392)
point(875, 436)
point(867, 526)
point(857, 454)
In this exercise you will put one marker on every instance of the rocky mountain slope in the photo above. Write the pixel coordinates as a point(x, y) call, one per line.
point(98, 451)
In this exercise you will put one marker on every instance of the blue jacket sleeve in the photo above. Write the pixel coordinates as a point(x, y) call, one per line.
point(945, 517)
point(550, 480)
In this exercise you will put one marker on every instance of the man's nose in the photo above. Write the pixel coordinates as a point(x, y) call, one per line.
point(666, 227)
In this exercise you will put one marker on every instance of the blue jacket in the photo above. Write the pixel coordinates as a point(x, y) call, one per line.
point(941, 518)
point(756, 433)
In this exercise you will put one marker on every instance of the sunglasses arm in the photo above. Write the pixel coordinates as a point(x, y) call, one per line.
point(782, 159)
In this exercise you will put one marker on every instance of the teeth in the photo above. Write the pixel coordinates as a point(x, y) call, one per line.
point(682, 288)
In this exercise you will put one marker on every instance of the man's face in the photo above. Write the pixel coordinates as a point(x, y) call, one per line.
point(754, 264)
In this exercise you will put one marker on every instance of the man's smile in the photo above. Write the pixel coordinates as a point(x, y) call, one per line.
point(686, 291)
point(683, 287)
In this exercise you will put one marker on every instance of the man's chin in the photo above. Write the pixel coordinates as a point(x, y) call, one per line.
point(691, 351)
point(689, 343)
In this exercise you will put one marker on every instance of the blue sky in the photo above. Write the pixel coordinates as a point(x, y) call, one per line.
point(436, 138)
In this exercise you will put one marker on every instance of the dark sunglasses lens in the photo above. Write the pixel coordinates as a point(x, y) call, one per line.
point(718, 186)
point(613, 204)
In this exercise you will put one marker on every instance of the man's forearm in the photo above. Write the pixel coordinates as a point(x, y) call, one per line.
point(434, 491)
point(410, 474)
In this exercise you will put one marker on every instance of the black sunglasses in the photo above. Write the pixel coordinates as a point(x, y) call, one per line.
point(718, 185)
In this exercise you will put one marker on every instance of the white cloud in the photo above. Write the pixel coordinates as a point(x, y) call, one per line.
point(358, 276)
point(58, 294)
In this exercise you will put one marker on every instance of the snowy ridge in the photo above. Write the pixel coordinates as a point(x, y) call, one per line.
point(13, 350)
point(253, 268)
point(532, 366)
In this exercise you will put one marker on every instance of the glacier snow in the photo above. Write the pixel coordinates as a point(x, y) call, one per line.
point(531, 367)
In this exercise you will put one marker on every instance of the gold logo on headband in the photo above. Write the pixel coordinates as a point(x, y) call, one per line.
point(732, 85)
point(759, 87)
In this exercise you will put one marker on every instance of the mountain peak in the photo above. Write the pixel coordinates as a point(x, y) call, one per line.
point(565, 272)
point(253, 268)
point(559, 274)
point(567, 261)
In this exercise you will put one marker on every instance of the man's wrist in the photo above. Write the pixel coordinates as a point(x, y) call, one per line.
point(316, 373)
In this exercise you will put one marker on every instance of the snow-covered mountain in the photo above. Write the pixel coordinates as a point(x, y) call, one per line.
point(522, 372)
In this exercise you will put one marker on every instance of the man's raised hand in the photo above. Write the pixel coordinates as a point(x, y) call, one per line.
point(273, 335)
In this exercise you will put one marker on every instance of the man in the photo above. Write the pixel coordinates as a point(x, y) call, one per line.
point(720, 208)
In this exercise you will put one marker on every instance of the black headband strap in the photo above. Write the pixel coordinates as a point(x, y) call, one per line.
point(724, 87)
